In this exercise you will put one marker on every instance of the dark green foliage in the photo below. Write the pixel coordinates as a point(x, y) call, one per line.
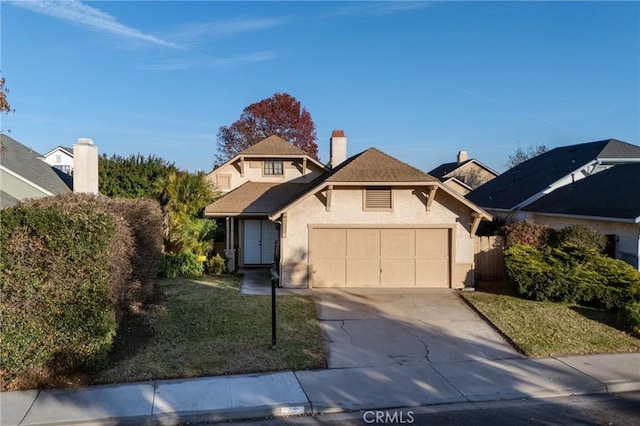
point(571, 274)
point(175, 265)
point(133, 176)
point(70, 267)
point(56, 305)
point(582, 236)
point(628, 317)
point(215, 265)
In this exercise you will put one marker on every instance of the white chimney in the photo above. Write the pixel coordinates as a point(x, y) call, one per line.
point(337, 148)
point(462, 156)
point(85, 166)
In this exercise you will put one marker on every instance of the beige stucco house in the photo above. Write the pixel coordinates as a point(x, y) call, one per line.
point(370, 220)
point(465, 174)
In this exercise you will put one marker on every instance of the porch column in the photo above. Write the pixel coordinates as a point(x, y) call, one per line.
point(229, 251)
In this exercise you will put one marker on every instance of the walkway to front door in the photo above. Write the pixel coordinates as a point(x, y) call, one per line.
point(260, 237)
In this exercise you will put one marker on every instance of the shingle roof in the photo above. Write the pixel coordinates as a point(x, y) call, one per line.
point(373, 166)
point(254, 198)
point(614, 193)
point(26, 163)
point(273, 146)
point(446, 168)
point(532, 176)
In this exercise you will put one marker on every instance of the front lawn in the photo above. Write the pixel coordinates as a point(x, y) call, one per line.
point(205, 327)
point(543, 329)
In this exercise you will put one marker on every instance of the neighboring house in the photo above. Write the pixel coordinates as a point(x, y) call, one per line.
point(463, 175)
point(61, 158)
point(24, 175)
point(518, 187)
point(608, 202)
point(371, 220)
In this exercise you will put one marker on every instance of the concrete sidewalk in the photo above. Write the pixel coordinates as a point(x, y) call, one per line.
point(288, 393)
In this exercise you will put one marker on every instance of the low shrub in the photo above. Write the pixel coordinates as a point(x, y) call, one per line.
point(184, 265)
point(581, 236)
point(571, 274)
point(527, 232)
point(57, 308)
point(628, 317)
point(215, 265)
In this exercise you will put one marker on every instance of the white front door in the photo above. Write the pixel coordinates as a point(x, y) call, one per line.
point(260, 237)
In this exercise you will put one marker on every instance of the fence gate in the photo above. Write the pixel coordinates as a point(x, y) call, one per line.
point(489, 258)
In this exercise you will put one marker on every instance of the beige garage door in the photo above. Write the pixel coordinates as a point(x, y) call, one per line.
point(380, 257)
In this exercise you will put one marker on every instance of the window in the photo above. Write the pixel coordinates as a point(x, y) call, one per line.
point(273, 167)
point(65, 169)
point(58, 158)
point(378, 198)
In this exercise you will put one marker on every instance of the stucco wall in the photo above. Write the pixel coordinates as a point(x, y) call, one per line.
point(253, 171)
point(627, 246)
point(347, 209)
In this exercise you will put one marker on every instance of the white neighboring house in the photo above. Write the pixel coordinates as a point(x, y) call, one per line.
point(23, 174)
point(61, 157)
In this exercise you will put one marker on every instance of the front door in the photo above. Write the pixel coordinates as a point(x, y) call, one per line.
point(260, 237)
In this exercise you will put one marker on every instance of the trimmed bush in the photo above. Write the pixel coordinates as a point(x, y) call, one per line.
point(184, 265)
point(70, 267)
point(628, 317)
point(581, 236)
point(527, 232)
point(571, 274)
point(57, 309)
point(215, 265)
point(145, 220)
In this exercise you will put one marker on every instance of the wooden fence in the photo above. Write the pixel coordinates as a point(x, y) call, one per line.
point(489, 258)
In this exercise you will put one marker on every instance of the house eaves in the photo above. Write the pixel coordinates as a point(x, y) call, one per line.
point(437, 184)
point(577, 216)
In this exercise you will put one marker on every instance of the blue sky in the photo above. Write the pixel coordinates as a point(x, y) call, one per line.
point(420, 81)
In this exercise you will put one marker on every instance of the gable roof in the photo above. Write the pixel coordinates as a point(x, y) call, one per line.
point(25, 162)
point(533, 176)
point(66, 149)
point(375, 166)
point(274, 147)
point(612, 193)
point(444, 169)
point(254, 198)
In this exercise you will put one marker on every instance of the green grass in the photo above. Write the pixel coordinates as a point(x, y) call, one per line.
point(542, 329)
point(205, 327)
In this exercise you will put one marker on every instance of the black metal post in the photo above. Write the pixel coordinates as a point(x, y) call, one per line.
point(273, 314)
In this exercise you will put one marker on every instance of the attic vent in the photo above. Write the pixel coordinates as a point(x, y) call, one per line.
point(377, 198)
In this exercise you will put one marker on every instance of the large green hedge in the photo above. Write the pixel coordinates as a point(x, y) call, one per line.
point(571, 274)
point(70, 267)
point(55, 305)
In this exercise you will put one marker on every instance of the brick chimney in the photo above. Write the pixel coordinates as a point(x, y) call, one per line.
point(337, 148)
point(85, 166)
point(462, 156)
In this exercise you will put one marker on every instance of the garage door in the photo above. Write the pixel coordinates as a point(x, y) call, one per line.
point(380, 257)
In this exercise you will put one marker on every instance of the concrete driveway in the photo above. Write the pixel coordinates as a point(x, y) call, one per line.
point(367, 327)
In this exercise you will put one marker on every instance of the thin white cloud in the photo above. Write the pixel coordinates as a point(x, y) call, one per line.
point(179, 64)
point(378, 8)
point(195, 33)
point(79, 13)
